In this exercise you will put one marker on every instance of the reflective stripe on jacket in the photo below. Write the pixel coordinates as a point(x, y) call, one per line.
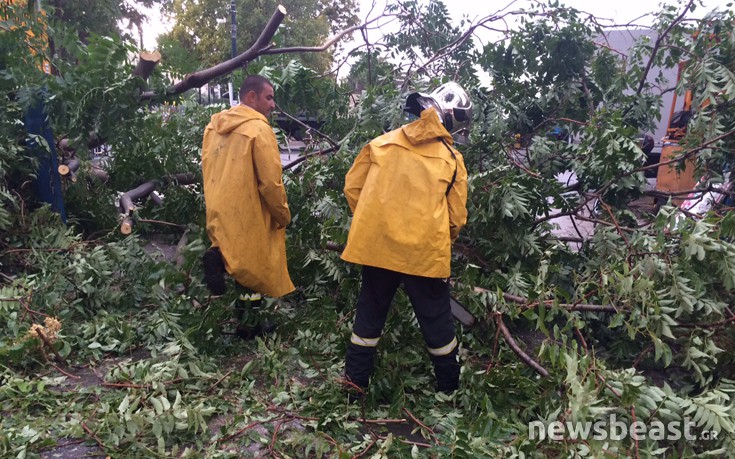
point(247, 211)
point(404, 219)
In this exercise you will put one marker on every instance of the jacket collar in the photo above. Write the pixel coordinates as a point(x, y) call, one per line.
point(231, 119)
point(427, 128)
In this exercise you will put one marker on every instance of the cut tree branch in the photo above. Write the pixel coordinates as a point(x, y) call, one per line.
point(518, 351)
point(147, 189)
point(126, 200)
point(69, 167)
point(199, 79)
point(261, 47)
point(146, 63)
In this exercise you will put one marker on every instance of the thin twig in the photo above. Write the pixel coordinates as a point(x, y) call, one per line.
point(216, 383)
point(569, 213)
point(367, 448)
point(421, 424)
point(94, 436)
point(250, 426)
point(615, 222)
point(303, 158)
point(518, 351)
point(159, 222)
point(307, 127)
point(350, 384)
point(719, 323)
point(323, 47)
point(697, 192)
point(126, 385)
point(581, 339)
point(520, 166)
point(643, 353)
point(568, 306)
point(612, 389)
point(27, 309)
point(47, 249)
point(274, 437)
point(383, 421)
point(331, 440)
point(569, 120)
point(64, 372)
point(412, 443)
point(659, 40)
point(635, 436)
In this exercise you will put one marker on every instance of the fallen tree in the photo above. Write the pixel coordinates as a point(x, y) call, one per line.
point(634, 320)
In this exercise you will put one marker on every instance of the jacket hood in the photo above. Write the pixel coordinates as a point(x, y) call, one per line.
point(426, 129)
point(229, 120)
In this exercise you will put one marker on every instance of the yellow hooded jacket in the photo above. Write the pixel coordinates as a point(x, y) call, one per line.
point(404, 220)
point(247, 211)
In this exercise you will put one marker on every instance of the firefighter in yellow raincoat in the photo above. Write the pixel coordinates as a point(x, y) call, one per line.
point(408, 191)
point(247, 210)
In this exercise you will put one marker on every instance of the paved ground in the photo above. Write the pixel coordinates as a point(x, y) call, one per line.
point(570, 227)
point(73, 449)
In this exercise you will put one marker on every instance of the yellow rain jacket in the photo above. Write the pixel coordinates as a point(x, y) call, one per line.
point(404, 220)
point(247, 211)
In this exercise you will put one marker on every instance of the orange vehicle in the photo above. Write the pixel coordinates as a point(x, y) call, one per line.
point(677, 177)
point(671, 178)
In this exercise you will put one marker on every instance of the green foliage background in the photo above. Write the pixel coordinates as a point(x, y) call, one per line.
point(637, 322)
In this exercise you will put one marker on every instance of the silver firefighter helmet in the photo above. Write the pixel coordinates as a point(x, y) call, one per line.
point(453, 105)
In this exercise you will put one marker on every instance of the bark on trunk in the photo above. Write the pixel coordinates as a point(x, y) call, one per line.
point(126, 200)
point(146, 64)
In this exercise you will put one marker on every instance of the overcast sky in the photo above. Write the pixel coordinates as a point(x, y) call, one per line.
point(617, 11)
point(613, 11)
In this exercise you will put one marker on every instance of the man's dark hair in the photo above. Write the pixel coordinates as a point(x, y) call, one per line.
point(253, 83)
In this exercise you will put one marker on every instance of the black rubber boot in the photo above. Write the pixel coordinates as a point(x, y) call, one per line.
point(214, 271)
point(251, 326)
point(247, 333)
point(359, 364)
point(446, 370)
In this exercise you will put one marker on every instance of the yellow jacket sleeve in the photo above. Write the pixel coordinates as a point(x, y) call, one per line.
point(267, 164)
point(355, 179)
point(457, 200)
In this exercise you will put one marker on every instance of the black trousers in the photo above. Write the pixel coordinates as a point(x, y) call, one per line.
point(430, 300)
